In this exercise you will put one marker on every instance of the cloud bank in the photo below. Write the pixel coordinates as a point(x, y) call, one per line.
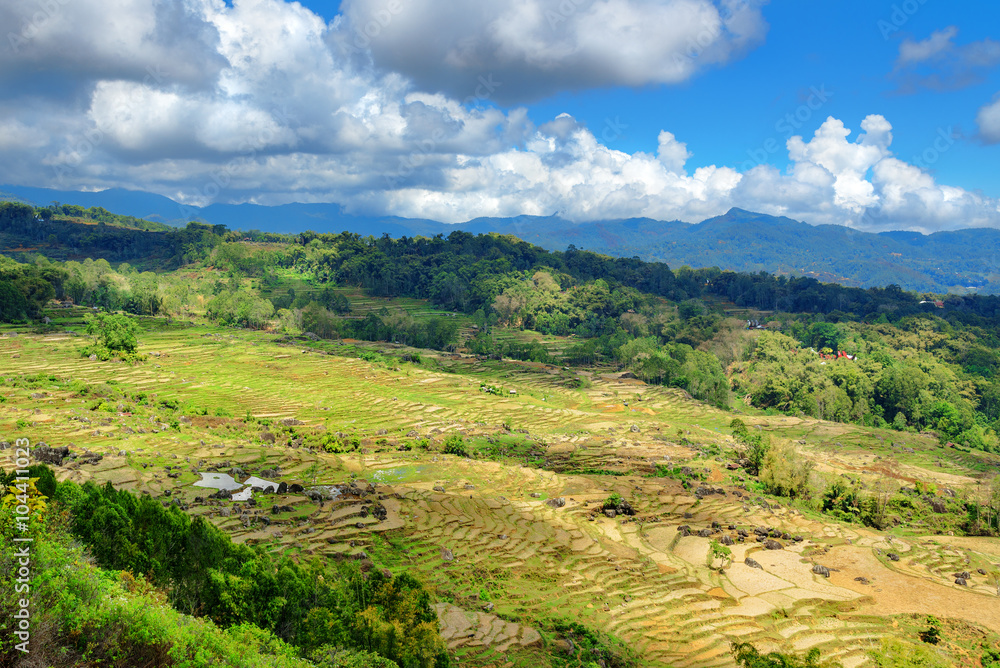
point(392, 108)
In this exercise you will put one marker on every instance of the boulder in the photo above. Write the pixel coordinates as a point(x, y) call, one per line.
point(893, 556)
point(726, 540)
point(47, 455)
point(705, 533)
point(295, 488)
point(557, 502)
point(821, 570)
point(773, 544)
point(438, 488)
point(752, 563)
point(962, 581)
point(446, 555)
point(282, 487)
point(964, 575)
point(610, 512)
point(634, 429)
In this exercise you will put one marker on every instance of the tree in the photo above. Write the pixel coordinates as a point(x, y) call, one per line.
point(13, 305)
point(784, 472)
point(114, 335)
point(719, 551)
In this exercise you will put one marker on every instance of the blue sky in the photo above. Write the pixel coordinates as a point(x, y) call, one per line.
point(586, 108)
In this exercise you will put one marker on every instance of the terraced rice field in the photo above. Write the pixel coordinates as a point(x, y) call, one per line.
point(530, 539)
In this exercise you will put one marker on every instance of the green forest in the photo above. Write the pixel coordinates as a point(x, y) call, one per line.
point(914, 365)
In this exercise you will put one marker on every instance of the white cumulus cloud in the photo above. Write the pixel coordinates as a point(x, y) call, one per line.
point(533, 48)
point(263, 101)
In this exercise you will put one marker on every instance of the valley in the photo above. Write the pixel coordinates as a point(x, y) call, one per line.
point(514, 538)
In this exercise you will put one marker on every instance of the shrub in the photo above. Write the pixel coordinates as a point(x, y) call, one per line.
point(749, 656)
point(455, 445)
point(932, 634)
point(613, 501)
point(784, 473)
point(114, 336)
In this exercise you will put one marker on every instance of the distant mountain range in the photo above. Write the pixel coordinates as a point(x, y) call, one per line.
point(959, 261)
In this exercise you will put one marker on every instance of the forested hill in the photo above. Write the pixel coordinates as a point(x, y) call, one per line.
point(923, 362)
point(745, 241)
point(960, 261)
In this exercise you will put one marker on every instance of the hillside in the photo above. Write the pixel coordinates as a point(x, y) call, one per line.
point(361, 452)
point(961, 261)
point(525, 565)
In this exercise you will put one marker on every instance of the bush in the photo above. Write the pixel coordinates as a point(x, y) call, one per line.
point(784, 473)
point(613, 501)
point(755, 450)
point(114, 336)
point(592, 648)
point(749, 656)
point(455, 445)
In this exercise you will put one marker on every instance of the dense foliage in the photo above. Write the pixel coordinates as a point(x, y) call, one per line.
point(917, 364)
point(312, 606)
point(748, 656)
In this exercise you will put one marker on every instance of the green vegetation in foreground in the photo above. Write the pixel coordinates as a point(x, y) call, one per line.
point(310, 610)
point(86, 615)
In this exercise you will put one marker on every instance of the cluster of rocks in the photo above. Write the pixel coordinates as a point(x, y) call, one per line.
point(623, 507)
point(283, 488)
point(962, 578)
point(45, 454)
point(764, 535)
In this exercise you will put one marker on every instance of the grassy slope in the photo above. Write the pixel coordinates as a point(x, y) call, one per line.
point(636, 579)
